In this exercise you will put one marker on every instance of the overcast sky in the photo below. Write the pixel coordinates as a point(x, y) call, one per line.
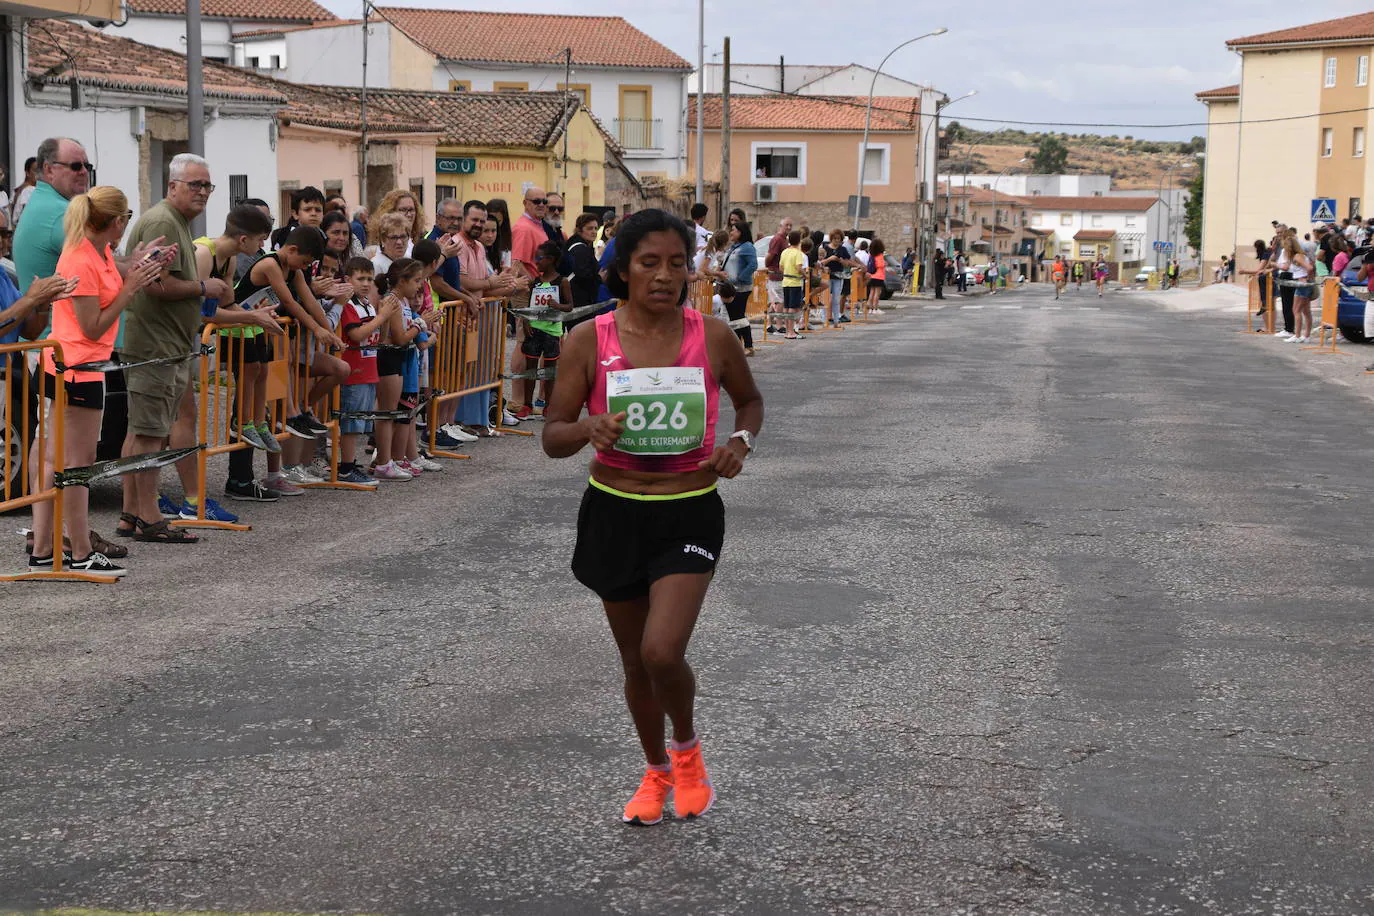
point(1102, 65)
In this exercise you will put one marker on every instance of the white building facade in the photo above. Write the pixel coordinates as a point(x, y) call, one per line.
point(1081, 226)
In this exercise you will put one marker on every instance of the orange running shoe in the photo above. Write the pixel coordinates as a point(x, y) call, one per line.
point(646, 808)
point(693, 794)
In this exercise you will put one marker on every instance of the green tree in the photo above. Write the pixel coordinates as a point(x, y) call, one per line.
point(1051, 157)
point(1192, 212)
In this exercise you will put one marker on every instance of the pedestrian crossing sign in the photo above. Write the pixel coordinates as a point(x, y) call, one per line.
point(1323, 209)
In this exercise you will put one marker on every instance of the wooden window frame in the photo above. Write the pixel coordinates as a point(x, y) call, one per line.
point(460, 85)
point(648, 99)
point(504, 86)
point(586, 89)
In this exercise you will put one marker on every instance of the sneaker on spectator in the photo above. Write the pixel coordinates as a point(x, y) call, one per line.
point(300, 426)
point(251, 435)
point(523, 412)
point(166, 508)
point(214, 512)
point(444, 440)
point(249, 492)
point(456, 431)
point(316, 427)
point(97, 564)
point(298, 474)
point(509, 419)
point(410, 467)
point(539, 404)
point(279, 485)
point(268, 438)
point(357, 476)
point(391, 471)
point(320, 468)
point(425, 463)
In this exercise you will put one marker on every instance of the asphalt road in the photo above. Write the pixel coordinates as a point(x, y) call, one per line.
point(1023, 610)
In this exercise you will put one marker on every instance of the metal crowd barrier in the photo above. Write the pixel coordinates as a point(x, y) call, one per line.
point(465, 360)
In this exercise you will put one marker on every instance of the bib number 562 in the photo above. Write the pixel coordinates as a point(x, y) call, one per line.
point(655, 416)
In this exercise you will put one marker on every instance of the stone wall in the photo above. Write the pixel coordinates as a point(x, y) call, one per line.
point(891, 222)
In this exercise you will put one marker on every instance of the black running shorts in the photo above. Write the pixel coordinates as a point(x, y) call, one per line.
point(624, 545)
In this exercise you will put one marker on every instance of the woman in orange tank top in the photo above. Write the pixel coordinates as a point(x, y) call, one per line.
point(651, 525)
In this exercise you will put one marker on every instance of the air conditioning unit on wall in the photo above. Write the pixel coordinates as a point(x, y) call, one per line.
point(765, 193)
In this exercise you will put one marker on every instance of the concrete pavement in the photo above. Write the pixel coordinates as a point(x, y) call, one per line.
point(1023, 610)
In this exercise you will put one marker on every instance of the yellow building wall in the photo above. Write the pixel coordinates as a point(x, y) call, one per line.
point(1219, 184)
point(412, 67)
point(1342, 174)
point(506, 173)
point(1278, 159)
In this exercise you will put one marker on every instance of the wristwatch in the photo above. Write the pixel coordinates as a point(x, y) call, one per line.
point(746, 437)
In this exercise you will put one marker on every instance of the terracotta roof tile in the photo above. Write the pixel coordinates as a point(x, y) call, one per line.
point(807, 112)
point(1094, 235)
point(525, 119)
point(1347, 28)
point(282, 30)
point(59, 48)
point(1225, 92)
point(330, 106)
point(272, 10)
point(1094, 204)
point(979, 196)
point(532, 38)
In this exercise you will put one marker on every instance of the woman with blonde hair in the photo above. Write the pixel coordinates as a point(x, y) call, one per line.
point(407, 205)
point(86, 324)
point(1301, 268)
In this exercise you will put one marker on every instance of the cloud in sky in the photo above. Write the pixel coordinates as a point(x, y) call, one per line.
point(1110, 66)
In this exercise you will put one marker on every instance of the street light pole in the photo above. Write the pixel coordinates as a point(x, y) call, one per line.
point(868, 118)
point(701, 104)
point(939, 107)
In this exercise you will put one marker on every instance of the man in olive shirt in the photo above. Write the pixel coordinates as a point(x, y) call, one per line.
point(164, 320)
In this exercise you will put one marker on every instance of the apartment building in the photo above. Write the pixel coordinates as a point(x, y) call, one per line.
point(1294, 128)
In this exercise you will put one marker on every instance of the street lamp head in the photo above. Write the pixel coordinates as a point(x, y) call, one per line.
point(940, 31)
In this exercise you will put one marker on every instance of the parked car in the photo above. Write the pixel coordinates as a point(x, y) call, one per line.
point(1352, 311)
point(1145, 274)
point(893, 282)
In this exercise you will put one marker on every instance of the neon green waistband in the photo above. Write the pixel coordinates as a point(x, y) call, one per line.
point(649, 497)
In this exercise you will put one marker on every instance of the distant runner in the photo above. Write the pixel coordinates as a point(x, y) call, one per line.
point(651, 525)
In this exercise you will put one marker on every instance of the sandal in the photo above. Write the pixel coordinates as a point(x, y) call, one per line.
point(134, 523)
point(108, 548)
point(160, 532)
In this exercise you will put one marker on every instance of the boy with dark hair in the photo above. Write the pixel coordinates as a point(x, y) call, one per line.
point(307, 209)
point(283, 271)
point(361, 324)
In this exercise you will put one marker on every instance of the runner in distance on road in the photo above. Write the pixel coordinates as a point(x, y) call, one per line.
point(651, 525)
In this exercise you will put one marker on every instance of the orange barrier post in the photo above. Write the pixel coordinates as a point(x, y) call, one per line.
point(758, 308)
point(18, 438)
point(216, 420)
point(466, 360)
point(859, 284)
point(1263, 293)
point(1331, 303)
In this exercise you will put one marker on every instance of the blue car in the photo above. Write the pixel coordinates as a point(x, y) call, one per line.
point(1351, 312)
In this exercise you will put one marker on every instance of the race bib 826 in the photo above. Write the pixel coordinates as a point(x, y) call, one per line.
point(665, 409)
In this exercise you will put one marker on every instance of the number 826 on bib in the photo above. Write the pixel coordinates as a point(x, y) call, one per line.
point(665, 409)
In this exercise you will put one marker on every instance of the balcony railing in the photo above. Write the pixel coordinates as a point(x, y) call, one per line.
point(639, 133)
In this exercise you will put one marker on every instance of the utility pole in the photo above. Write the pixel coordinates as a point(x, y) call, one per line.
point(195, 94)
point(362, 152)
point(567, 115)
point(701, 98)
point(725, 132)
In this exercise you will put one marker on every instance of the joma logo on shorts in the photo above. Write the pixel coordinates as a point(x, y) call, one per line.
point(693, 548)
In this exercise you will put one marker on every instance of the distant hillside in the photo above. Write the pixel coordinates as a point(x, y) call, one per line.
point(1133, 164)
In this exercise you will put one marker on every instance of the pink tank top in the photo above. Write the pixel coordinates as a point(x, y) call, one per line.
point(670, 424)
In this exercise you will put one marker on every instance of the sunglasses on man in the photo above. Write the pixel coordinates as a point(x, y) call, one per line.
point(537, 201)
point(76, 166)
point(555, 209)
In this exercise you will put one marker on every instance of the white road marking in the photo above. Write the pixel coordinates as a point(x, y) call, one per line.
point(973, 306)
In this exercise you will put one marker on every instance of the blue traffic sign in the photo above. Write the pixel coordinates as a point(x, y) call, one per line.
point(1323, 209)
point(1164, 246)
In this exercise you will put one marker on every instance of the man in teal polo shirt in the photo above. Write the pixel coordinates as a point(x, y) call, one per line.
point(63, 172)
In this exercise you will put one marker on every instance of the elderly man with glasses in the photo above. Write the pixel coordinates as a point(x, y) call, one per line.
point(164, 321)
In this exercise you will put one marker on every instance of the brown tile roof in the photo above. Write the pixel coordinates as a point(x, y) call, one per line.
point(1347, 28)
point(978, 195)
point(272, 10)
point(1094, 235)
point(532, 38)
point(1225, 92)
point(532, 120)
point(1041, 233)
point(282, 30)
point(807, 112)
point(59, 49)
point(329, 106)
point(1094, 204)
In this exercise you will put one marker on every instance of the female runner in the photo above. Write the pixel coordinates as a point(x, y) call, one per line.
point(651, 526)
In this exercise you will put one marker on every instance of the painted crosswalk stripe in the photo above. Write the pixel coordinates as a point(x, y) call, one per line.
point(972, 307)
point(1008, 307)
point(933, 308)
